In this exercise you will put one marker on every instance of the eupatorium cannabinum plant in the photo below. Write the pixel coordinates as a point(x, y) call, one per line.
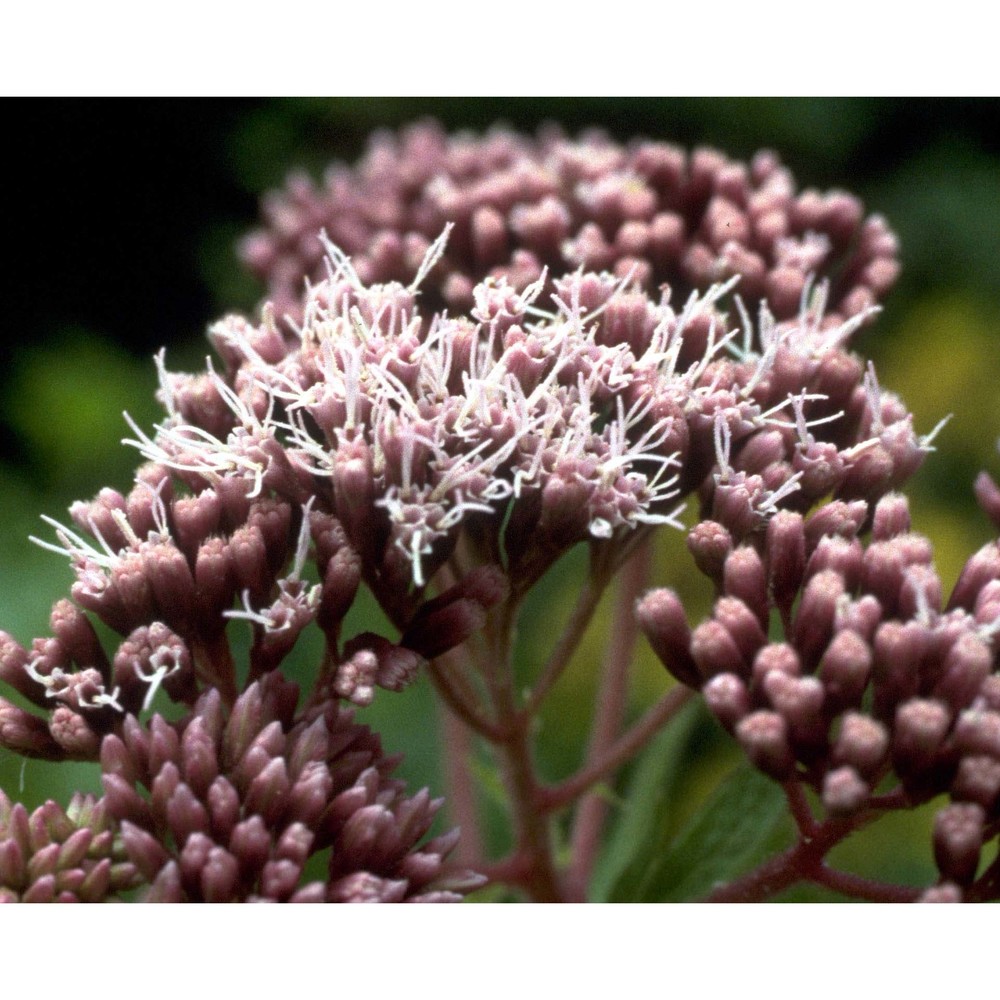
point(476, 355)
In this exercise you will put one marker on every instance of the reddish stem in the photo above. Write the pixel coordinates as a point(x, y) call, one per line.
point(623, 749)
point(612, 694)
point(863, 888)
point(803, 862)
point(461, 788)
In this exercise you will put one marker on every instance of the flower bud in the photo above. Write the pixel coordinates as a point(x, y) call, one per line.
point(744, 577)
point(715, 651)
point(737, 619)
point(977, 780)
point(814, 620)
point(981, 568)
point(727, 698)
point(764, 738)
point(710, 543)
point(958, 840)
point(661, 617)
point(845, 669)
point(918, 735)
point(844, 791)
point(786, 557)
point(891, 517)
point(863, 743)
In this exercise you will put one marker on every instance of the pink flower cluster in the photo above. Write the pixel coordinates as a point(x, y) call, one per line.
point(519, 206)
point(501, 348)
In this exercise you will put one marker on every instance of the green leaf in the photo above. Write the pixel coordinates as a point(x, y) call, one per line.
point(744, 821)
point(645, 810)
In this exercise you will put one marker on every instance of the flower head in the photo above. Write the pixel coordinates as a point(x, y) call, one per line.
point(520, 205)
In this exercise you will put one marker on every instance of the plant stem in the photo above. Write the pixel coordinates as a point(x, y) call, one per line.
point(461, 788)
point(570, 638)
point(772, 876)
point(798, 805)
point(612, 694)
point(863, 888)
point(803, 862)
point(457, 701)
point(623, 749)
point(532, 833)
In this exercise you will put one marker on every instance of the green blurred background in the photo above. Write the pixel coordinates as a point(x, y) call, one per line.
point(122, 217)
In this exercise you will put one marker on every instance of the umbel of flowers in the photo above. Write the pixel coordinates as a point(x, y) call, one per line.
point(577, 392)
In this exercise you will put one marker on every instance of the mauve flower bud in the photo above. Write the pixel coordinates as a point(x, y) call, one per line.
point(845, 669)
point(144, 850)
point(980, 569)
point(396, 667)
point(836, 378)
point(800, 702)
point(958, 840)
point(763, 736)
point(489, 236)
point(115, 759)
point(172, 583)
point(740, 622)
point(918, 734)
point(814, 619)
point(163, 744)
point(661, 617)
point(777, 656)
point(885, 567)
point(968, 663)
point(199, 764)
point(786, 557)
point(274, 519)
point(249, 558)
point(843, 556)
point(186, 815)
point(715, 651)
point(76, 634)
point(76, 738)
point(194, 519)
point(215, 583)
point(710, 543)
point(130, 580)
point(744, 577)
point(835, 518)
point(355, 678)
point(27, 734)
point(844, 791)
point(760, 450)
point(98, 515)
point(977, 780)
point(978, 732)
point(863, 743)
point(899, 650)
point(13, 661)
point(727, 698)
point(891, 517)
point(862, 616)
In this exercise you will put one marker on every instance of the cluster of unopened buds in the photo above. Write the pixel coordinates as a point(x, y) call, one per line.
point(477, 355)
